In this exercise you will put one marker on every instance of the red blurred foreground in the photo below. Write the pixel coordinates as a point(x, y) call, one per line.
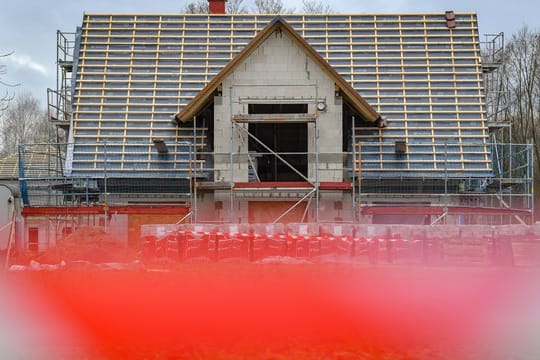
point(302, 311)
point(273, 292)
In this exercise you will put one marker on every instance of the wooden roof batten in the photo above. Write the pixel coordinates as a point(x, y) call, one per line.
point(279, 23)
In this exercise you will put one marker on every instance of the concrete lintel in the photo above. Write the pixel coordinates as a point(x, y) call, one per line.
point(274, 118)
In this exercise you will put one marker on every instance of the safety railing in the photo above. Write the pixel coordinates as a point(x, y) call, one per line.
point(121, 172)
point(103, 177)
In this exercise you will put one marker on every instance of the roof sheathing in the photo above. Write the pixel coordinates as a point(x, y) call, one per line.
point(136, 71)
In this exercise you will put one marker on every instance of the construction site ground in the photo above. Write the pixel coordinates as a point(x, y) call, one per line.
point(93, 297)
point(275, 311)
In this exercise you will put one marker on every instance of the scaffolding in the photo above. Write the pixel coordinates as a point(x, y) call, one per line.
point(59, 100)
point(495, 87)
point(44, 183)
point(312, 188)
point(59, 204)
point(505, 197)
point(361, 164)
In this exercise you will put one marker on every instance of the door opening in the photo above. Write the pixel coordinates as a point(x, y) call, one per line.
point(289, 140)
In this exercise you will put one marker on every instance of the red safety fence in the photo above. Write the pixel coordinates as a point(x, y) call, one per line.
point(384, 244)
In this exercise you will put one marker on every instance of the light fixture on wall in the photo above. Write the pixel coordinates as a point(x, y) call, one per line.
point(321, 105)
point(381, 122)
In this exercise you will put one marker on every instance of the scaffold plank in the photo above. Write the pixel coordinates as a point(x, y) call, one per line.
point(95, 210)
point(439, 210)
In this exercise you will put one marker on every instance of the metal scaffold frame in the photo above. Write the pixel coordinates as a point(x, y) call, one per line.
point(505, 178)
point(59, 100)
point(237, 128)
point(495, 87)
point(508, 193)
point(59, 108)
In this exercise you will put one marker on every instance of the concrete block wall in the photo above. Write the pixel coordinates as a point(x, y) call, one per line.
point(278, 69)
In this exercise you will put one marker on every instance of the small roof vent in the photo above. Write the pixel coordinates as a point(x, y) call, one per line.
point(450, 19)
point(161, 146)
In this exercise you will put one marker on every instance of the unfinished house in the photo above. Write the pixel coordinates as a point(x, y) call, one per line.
point(237, 118)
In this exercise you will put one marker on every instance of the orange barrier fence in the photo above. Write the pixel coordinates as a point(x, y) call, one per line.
point(386, 244)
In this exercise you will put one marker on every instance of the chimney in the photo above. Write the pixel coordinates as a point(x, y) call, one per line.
point(217, 6)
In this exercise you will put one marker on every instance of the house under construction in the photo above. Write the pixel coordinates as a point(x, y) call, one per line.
point(236, 118)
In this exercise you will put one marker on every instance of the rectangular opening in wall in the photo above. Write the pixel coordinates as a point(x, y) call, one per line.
point(278, 108)
point(33, 239)
point(289, 140)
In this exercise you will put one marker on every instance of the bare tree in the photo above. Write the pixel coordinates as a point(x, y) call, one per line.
point(24, 121)
point(271, 7)
point(236, 7)
point(523, 70)
point(316, 7)
point(5, 97)
point(197, 7)
point(521, 79)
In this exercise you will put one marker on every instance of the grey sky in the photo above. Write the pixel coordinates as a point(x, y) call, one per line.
point(28, 27)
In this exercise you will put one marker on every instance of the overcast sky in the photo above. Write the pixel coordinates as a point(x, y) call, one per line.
point(28, 27)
